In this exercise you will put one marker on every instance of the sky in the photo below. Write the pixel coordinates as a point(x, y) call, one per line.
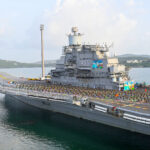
point(125, 23)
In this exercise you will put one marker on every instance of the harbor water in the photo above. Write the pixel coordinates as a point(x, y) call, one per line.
point(136, 74)
point(23, 127)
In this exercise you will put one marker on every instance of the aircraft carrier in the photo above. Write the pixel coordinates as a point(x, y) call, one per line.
point(87, 83)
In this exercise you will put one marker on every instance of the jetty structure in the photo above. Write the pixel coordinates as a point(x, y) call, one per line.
point(87, 83)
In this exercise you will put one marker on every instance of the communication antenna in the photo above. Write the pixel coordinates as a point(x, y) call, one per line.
point(111, 45)
point(115, 54)
point(107, 47)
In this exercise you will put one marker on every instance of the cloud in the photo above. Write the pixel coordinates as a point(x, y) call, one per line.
point(97, 19)
point(131, 2)
point(147, 34)
point(6, 29)
point(2, 30)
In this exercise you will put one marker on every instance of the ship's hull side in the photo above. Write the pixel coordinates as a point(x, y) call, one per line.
point(83, 112)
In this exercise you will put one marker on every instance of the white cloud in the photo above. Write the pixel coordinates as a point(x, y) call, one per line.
point(95, 18)
point(2, 30)
point(147, 34)
point(5, 29)
point(131, 2)
point(125, 23)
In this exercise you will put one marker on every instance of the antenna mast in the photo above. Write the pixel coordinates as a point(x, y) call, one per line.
point(42, 52)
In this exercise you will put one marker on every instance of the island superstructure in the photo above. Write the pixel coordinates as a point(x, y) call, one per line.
point(88, 66)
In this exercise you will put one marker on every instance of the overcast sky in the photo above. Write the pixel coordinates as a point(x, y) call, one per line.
point(126, 23)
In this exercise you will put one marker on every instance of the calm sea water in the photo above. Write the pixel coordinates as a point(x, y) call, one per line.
point(23, 127)
point(137, 74)
point(140, 75)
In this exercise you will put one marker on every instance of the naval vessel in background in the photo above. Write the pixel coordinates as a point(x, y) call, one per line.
point(87, 67)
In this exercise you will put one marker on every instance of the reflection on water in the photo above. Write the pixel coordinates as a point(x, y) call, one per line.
point(25, 127)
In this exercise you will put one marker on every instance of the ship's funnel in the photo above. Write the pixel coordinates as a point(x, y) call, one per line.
point(74, 37)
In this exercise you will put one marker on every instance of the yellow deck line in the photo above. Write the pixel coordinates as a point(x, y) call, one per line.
point(4, 78)
point(137, 106)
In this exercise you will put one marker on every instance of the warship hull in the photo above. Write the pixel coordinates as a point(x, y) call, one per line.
point(67, 108)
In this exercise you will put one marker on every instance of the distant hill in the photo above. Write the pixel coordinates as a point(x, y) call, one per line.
point(130, 60)
point(47, 62)
point(133, 56)
point(15, 64)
